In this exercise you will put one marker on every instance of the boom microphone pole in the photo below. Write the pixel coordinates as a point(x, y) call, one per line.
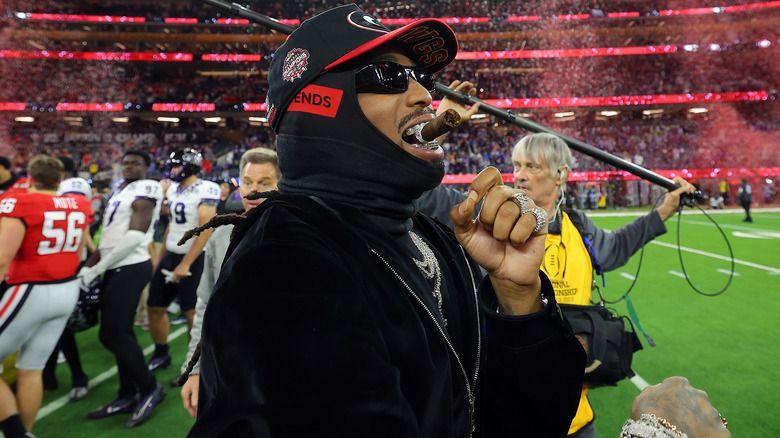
point(465, 99)
point(573, 143)
point(254, 17)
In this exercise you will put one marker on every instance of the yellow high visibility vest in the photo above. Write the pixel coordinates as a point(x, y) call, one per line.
point(568, 265)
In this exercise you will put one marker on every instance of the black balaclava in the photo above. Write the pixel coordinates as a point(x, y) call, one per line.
point(346, 159)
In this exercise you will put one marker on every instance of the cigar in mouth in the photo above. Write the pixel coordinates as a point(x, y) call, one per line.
point(426, 132)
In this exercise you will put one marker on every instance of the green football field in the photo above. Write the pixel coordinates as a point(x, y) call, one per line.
point(725, 345)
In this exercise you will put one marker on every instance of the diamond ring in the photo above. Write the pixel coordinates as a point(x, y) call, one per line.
point(541, 218)
point(521, 200)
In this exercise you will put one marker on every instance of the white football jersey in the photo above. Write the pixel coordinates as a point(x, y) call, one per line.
point(183, 211)
point(75, 185)
point(119, 210)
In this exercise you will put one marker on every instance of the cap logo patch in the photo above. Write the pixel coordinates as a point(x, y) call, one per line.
point(426, 43)
point(316, 99)
point(295, 64)
point(366, 21)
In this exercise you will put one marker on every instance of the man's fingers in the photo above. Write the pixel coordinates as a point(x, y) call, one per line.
point(486, 180)
point(462, 213)
point(511, 215)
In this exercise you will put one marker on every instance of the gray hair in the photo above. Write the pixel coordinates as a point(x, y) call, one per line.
point(551, 149)
point(548, 147)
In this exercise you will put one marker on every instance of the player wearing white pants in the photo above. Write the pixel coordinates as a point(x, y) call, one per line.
point(32, 319)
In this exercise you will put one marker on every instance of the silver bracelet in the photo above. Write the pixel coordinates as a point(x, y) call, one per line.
point(650, 426)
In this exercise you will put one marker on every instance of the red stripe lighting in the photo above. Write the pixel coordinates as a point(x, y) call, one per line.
point(668, 173)
point(506, 54)
point(751, 6)
point(74, 17)
point(622, 14)
point(622, 175)
point(254, 107)
point(720, 9)
point(183, 107)
point(740, 96)
point(573, 17)
point(63, 106)
point(449, 20)
point(523, 18)
point(694, 11)
point(96, 56)
point(232, 21)
point(219, 57)
point(657, 99)
point(403, 21)
point(12, 106)
point(568, 53)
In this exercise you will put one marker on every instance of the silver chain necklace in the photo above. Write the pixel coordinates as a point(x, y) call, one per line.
point(429, 267)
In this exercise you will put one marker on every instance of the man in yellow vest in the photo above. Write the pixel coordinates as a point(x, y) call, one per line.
point(542, 163)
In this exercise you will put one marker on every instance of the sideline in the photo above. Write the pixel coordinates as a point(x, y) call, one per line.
point(105, 375)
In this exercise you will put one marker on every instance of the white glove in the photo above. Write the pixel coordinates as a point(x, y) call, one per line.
point(168, 276)
point(86, 276)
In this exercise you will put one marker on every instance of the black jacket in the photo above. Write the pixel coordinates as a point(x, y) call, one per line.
point(310, 333)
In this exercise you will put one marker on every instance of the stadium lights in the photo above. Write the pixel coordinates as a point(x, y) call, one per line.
point(72, 119)
point(25, 119)
point(120, 119)
point(609, 113)
point(652, 111)
point(698, 110)
point(212, 119)
point(168, 119)
point(258, 119)
point(565, 114)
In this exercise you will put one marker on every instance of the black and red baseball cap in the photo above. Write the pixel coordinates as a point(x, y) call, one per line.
point(341, 34)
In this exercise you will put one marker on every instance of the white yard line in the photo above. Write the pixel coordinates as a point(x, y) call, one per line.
point(678, 274)
point(727, 272)
point(629, 276)
point(102, 377)
point(686, 212)
point(770, 269)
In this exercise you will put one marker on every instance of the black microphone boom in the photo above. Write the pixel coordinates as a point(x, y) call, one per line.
point(573, 143)
point(505, 115)
point(254, 17)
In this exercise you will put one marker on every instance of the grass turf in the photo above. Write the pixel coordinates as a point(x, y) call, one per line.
point(725, 345)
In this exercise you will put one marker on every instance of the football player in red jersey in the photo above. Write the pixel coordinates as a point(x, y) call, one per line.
point(10, 183)
point(40, 242)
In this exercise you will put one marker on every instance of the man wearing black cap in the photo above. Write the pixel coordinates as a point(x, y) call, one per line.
point(339, 310)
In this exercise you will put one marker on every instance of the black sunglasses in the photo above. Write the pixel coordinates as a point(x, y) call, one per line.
point(388, 77)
